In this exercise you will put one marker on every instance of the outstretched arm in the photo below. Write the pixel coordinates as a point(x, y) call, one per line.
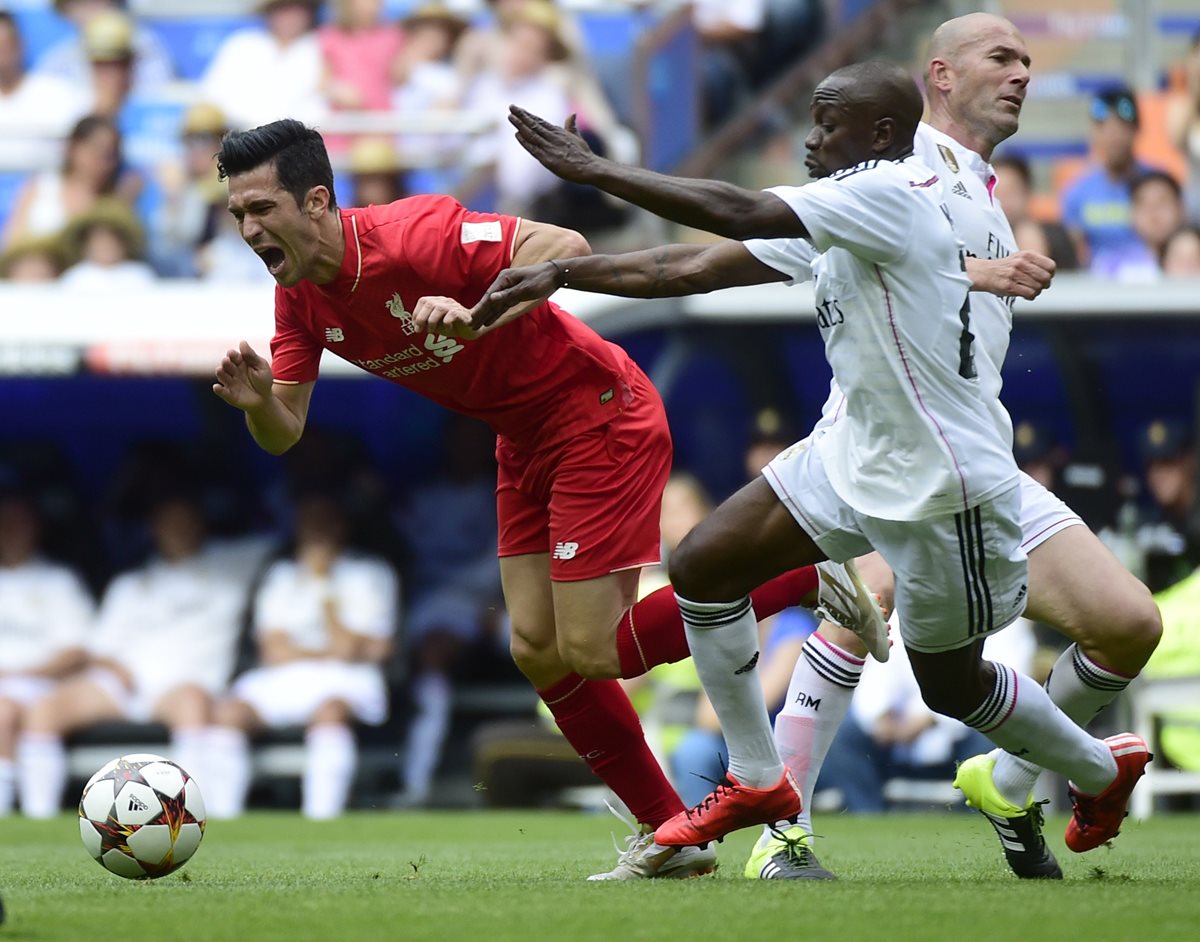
point(727, 210)
point(670, 271)
point(275, 412)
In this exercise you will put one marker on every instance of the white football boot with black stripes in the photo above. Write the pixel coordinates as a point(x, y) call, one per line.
point(844, 599)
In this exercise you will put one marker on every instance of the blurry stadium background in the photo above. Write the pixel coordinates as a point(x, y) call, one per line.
point(107, 350)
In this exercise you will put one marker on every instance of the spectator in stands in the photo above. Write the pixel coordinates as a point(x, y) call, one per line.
point(530, 45)
point(45, 613)
point(1183, 124)
point(193, 200)
point(425, 77)
point(261, 74)
point(1038, 453)
point(91, 169)
point(163, 648)
point(1014, 188)
point(1169, 534)
point(33, 259)
point(324, 617)
point(1181, 253)
point(108, 243)
point(730, 35)
point(68, 60)
point(1096, 206)
point(376, 172)
point(1157, 206)
point(890, 733)
point(449, 527)
point(35, 110)
point(108, 42)
point(359, 52)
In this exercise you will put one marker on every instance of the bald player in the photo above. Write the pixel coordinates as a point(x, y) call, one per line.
point(975, 83)
point(916, 463)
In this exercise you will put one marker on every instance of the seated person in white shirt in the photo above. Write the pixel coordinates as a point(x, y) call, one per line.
point(323, 620)
point(45, 612)
point(162, 649)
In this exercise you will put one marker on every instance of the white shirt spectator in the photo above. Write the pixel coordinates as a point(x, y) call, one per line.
point(748, 15)
point(88, 276)
point(258, 81)
point(292, 600)
point(45, 609)
point(68, 62)
point(34, 118)
point(170, 624)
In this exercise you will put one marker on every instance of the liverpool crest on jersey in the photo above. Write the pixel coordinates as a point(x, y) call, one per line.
point(948, 156)
point(396, 308)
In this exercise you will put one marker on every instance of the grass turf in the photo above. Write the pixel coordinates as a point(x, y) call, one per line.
point(493, 876)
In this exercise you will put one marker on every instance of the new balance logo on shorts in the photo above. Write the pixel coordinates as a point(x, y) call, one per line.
point(565, 550)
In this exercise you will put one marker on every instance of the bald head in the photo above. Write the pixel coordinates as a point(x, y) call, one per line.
point(877, 90)
point(865, 111)
point(976, 79)
point(952, 37)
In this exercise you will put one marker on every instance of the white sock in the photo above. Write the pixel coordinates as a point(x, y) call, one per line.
point(723, 637)
point(188, 748)
point(8, 785)
point(432, 696)
point(1019, 717)
point(330, 761)
point(1081, 688)
point(818, 698)
point(41, 774)
point(227, 770)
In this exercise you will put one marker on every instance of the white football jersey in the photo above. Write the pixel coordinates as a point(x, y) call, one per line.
point(44, 610)
point(917, 438)
point(291, 599)
point(968, 190)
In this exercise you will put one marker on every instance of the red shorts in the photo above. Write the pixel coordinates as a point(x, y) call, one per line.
point(592, 502)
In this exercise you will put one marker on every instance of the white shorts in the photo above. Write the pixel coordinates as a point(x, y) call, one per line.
point(289, 694)
point(136, 705)
point(25, 688)
point(1042, 514)
point(959, 577)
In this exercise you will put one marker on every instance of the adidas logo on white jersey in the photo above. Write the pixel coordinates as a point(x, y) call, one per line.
point(960, 189)
point(565, 550)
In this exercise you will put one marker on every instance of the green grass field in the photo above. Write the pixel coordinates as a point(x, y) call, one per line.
point(501, 876)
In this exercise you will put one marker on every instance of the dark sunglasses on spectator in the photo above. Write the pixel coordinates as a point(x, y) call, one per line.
point(1122, 107)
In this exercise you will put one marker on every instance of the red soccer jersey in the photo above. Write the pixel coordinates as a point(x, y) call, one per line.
point(537, 380)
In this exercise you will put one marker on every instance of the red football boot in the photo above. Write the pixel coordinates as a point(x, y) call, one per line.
point(1097, 818)
point(729, 808)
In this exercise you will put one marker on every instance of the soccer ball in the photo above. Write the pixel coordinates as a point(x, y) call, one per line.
point(141, 816)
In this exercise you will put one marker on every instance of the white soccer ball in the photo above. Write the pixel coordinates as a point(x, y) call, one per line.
point(141, 816)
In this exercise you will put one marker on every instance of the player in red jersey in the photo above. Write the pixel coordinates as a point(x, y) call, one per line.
point(583, 445)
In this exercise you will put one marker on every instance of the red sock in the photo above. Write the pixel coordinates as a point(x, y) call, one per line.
point(651, 632)
point(600, 723)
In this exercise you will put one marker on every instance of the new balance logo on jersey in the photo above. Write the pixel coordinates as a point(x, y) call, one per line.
point(334, 335)
point(565, 550)
point(748, 666)
point(960, 189)
point(136, 804)
point(441, 347)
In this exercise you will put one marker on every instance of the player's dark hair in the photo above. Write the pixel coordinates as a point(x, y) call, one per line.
point(1017, 164)
point(1156, 176)
point(297, 152)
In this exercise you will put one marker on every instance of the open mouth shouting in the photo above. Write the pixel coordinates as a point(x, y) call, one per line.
point(272, 257)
